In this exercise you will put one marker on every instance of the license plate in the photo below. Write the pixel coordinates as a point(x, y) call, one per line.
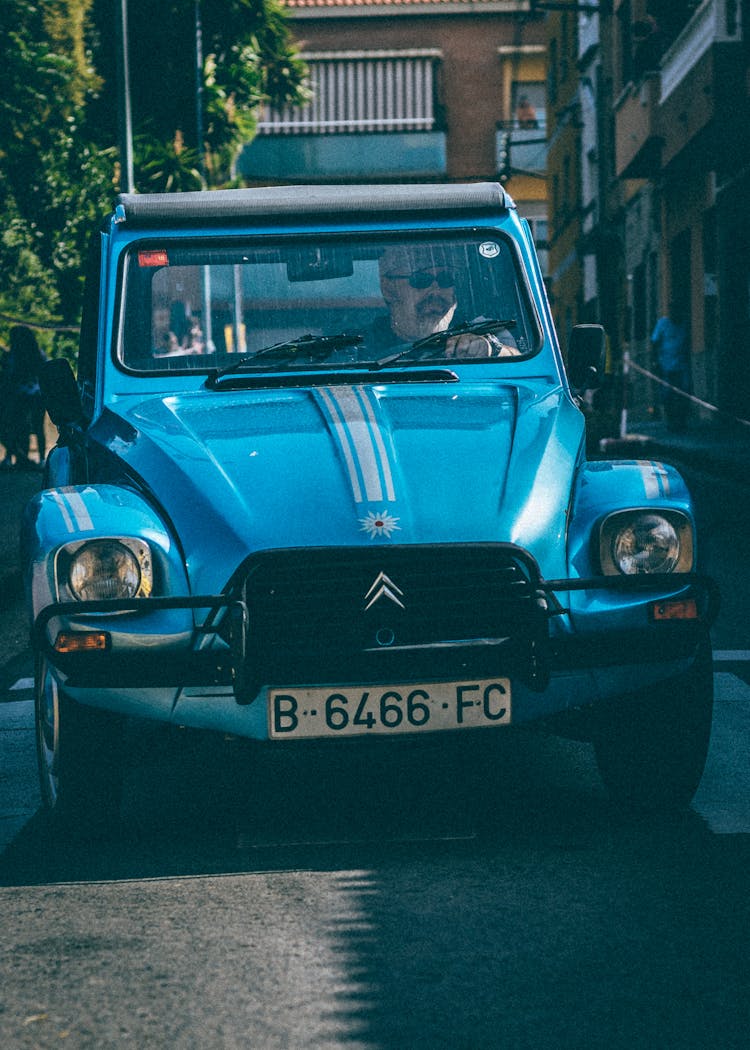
point(358, 710)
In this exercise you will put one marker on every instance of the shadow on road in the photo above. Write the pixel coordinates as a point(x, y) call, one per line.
point(466, 909)
point(197, 804)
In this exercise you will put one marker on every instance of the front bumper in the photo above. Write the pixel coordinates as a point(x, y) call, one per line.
point(524, 646)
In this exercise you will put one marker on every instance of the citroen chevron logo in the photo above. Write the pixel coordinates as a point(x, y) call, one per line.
point(383, 587)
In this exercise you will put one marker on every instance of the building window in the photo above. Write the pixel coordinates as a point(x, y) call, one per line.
point(539, 229)
point(378, 91)
point(540, 233)
point(529, 105)
point(522, 140)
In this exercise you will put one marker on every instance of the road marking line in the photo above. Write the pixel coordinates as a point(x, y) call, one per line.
point(723, 796)
point(732, 655)
point(22, 683)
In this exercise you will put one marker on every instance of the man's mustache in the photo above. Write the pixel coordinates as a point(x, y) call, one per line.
point(434, 302)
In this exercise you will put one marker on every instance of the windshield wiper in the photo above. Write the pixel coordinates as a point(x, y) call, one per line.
point(481, 326)
point(305, 349)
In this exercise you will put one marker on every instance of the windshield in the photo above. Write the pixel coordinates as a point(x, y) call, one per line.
point(191, 306)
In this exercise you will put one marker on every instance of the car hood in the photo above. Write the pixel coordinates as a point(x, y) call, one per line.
point(235, 472)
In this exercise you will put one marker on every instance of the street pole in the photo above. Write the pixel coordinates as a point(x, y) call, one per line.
point(199, 93)
point(124, 116)
point(626, 363)
point(208, 335)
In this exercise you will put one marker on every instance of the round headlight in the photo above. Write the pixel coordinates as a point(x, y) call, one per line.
point(646, 543)
point(104, 569)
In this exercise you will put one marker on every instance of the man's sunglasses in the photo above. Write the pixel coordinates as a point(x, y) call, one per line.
point(420, 279)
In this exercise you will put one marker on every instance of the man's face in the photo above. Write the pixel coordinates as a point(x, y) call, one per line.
point(421, 301)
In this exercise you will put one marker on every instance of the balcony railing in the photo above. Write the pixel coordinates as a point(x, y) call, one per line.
point(520, 148)
point(715, 22)
point(413, 154)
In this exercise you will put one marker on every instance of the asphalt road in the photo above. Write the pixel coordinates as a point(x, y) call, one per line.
point(431, 903)
point(370, 909)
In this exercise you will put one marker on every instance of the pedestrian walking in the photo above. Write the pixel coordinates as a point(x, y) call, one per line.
point(21, 405)
point(669, 342)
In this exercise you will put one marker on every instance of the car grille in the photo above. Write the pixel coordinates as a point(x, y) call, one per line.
point(388, 614)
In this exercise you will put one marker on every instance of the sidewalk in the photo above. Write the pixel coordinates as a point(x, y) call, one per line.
point(718, 448)
point(16, 489)
point(17, 486)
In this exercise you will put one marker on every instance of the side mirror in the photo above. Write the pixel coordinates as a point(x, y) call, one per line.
point(60, 393)
point(587, 356)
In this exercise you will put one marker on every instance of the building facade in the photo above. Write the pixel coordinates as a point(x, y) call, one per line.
point(564, 170)
point(663, 146)
point(414, 90)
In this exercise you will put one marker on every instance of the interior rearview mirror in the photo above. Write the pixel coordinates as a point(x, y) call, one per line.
point(319, 264)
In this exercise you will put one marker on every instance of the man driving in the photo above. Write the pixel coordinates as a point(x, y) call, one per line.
point(418, 286)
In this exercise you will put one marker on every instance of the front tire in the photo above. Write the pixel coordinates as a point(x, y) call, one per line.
point(79, 758)
point(651, 749)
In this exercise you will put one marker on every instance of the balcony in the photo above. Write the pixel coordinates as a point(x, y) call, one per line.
point(521, 150)
point(324, 158)
point(715, 22)
point(638, 140)
point(702, 103)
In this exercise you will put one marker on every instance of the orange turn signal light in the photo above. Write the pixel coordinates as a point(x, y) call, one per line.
point(683, 609)
point(82, 642)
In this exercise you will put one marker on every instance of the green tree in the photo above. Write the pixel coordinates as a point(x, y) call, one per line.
point(248, 57)
point(48, 176)
point(58, 131)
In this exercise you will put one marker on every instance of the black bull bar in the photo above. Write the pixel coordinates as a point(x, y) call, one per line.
point(211, 666)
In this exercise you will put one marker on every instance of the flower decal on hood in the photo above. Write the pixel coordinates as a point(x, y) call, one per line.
point(379, 524)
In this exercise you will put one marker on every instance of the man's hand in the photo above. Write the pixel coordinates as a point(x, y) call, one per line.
point(469, 345)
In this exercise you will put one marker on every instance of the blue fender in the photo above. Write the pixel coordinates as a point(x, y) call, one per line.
point(56, 518)
point(604, 488)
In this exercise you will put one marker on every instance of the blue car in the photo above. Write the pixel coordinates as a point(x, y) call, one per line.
point(321, 473)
